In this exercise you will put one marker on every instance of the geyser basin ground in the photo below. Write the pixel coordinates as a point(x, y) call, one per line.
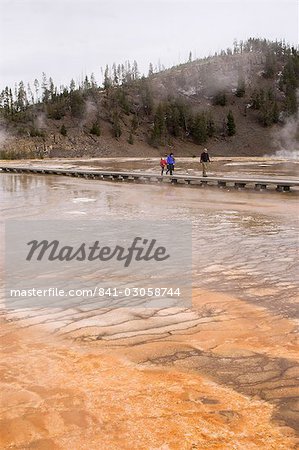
point(223, 374)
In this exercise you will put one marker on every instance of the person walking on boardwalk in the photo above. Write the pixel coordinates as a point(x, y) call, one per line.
point(163, 164)
point(170, 163)
point(204, 159)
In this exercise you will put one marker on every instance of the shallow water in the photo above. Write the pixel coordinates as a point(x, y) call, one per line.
point(244, 243)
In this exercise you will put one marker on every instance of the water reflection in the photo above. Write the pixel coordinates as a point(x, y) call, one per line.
point(241, 243)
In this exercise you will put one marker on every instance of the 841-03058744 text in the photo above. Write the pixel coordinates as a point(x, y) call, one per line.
point(140, 292)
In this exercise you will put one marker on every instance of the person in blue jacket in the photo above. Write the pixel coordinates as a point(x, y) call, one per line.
point(170, 163)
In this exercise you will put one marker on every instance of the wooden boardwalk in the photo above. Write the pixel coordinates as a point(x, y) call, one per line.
point(281, 185)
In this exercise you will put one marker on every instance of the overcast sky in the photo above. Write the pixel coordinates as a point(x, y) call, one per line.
point(70, 38)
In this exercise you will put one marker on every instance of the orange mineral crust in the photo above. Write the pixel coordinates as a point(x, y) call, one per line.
point(58, 395)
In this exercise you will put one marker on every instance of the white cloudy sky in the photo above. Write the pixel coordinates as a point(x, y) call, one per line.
point(71, 38)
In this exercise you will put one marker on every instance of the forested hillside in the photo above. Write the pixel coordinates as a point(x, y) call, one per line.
point(236, 103)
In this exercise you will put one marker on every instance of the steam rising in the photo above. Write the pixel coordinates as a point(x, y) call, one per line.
point(287, 139)
point(3, 137)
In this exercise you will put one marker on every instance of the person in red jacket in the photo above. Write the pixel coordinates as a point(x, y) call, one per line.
point(163, 164)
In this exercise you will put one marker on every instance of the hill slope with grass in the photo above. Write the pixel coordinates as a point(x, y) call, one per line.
point(241, 102)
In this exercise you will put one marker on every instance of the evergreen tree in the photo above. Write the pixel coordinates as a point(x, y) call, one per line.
point(45, 90)
point(275, 112)
point(122, 100)
point(107, 79)
point(270, 65)
point(173, 119)
point(36, 88)
point(93, 82)
point(220, 99)
point(146, 97)
point(210, 125)
point(159, 130)
point(116, 127)
point(241, 86)
point(131, 139)
point(22, 101)
point(123, 74)
point(150, 70)
point(257, 98)
point(128, 72)
point(52, 93)
point(30, 94)
point(231, 126)
point(6, 102)
point(199, 129)
point(95, 129)
point(291, 103)
point(11, 103)
point(269, 111)
point(72, 85)
point(86, 84)
point(118, 71)
point(289, 82)
point(115, 75)
point(135, 71)
point(63, 130)
point(77, 104)
point(186, 119)
point(134, 123)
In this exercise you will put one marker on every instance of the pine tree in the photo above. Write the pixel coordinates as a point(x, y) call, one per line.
point(134, 123)
point(22, 101)
point(159, 130)
point(150, 70)
point(72, 85)
point(95, 129)
point(291, 104)
point(210, 125)
point(107, 79)
point(116, 127)
point(93, 81)
point(275, 112)
point(131, 139)
point(63, 130)
point(146, 97)
point(199, 129)
point(86, 84)
point(135, 71)
point(172, 119)
point(115, 76)
point(123, 101)
point(77, 104)
point(220, 99)
point(270, 65)
point(36, 88)
point(12, 108)
point(45, 90)
point(231, 126)
point(241, 86)
point(6, 102)
point(290, 82)
point(30, 94)
point(52, 93)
